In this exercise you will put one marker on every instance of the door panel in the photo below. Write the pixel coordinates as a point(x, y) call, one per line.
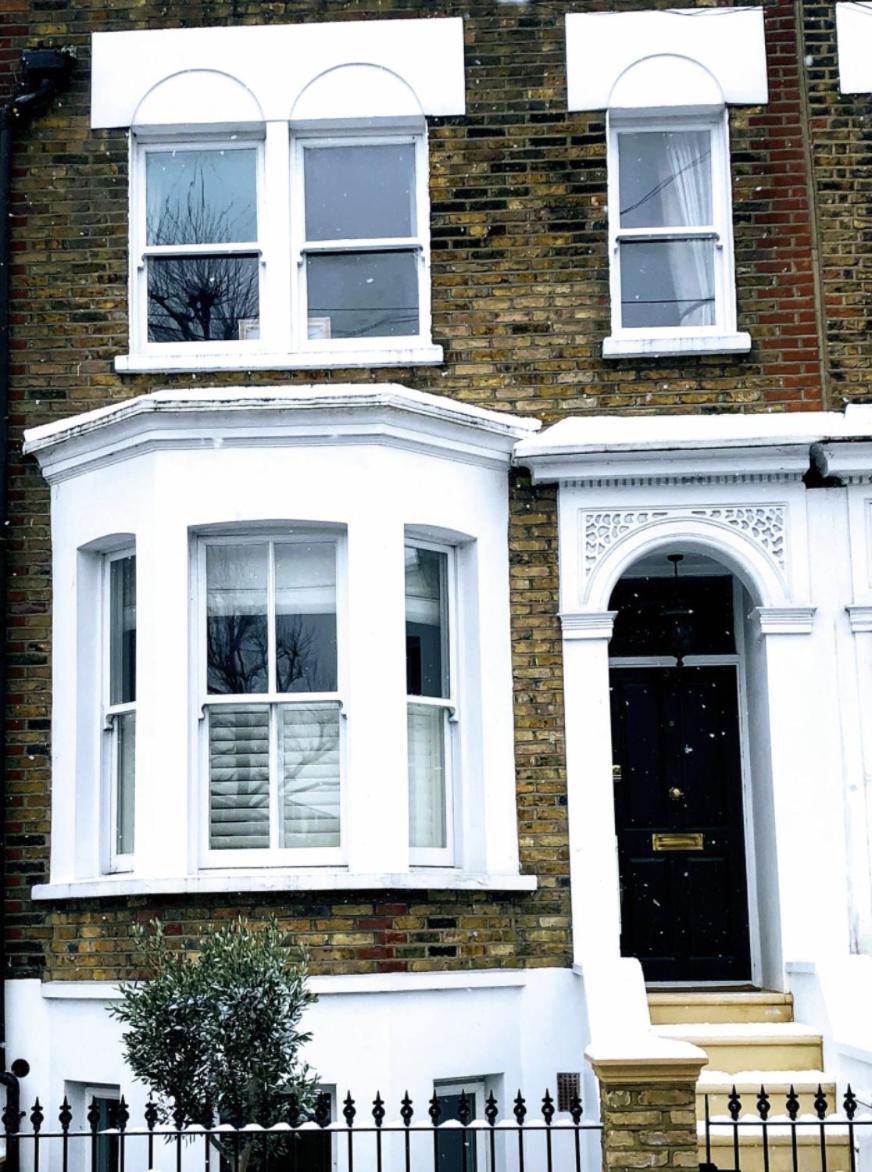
point(684, 912)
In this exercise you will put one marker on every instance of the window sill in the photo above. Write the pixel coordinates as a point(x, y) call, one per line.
point(675, 345)
point(314, 879)
point(182, 361)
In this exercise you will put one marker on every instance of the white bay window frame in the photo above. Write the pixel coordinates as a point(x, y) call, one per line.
point(448, 706)
point(273, 701)
point(141, 251)
point(115, 715)
point(721, 335)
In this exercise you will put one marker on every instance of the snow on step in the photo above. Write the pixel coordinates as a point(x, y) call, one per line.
point(753, 1032)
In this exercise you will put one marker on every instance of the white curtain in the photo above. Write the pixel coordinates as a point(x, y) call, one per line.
point(687, 201)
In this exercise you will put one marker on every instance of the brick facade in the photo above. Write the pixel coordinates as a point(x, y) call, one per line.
point(520, 304)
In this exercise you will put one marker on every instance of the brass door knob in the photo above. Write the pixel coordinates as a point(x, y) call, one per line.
point(675, 793)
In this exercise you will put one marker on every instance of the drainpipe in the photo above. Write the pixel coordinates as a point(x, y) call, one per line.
point(43, 74)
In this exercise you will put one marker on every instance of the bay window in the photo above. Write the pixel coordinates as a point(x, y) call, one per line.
point(321, 585)
point(430, 707)
point(119, 705)
point(270, 702)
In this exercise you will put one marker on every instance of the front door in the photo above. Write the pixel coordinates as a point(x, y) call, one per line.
point(678, 808)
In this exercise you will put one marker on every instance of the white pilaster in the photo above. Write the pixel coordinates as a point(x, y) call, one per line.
point(593, 855)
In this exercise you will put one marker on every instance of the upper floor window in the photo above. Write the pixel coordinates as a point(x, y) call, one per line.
point(312, 247)
point(670, 226)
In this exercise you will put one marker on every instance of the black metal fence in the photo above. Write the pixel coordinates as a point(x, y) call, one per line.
point(446, 1137)
point(759, 1134)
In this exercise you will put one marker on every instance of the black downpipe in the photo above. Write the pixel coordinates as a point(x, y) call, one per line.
point(43, 74)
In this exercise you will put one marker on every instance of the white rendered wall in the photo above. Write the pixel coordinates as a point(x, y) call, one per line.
point(370, 1033)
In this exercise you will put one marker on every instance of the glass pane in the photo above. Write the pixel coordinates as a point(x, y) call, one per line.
point(236, 622)
point(203, 299)
point(125, 757)
point(667, 283)
point(665, 178)
point(363, 294)
point(122, 630)
point(309, 776)
point(426, 623)
point(306, 617)
point(426, 727)
point(201, 197)
point(238, 778)
point(360, 192)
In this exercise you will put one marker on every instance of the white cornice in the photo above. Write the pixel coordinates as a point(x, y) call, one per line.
point(277, 416)
point(663, 449)
point(785, 620)
point(860, 618)
point(587, 624)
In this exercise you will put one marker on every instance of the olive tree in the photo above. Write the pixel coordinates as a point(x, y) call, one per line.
point(215, 1033)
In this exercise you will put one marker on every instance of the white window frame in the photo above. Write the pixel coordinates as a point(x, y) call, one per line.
point(281, 249)
point(273, 856)
point(443, 856)
point(115, 862)
point(141, 251)
point(722, 335)
point(419, 243)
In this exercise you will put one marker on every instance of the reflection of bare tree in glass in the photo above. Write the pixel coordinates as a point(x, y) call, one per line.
point(198, 297)
point(237, 648)
point(303, 794)
point(297, 658)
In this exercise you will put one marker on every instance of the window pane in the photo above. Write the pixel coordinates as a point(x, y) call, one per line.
point(360, 192)
point(426, 727)
point(426, 623)
point(203, 299)
point(309, 776)
point(236, 624)
point(201, 197)
point(306, 616)
point(122, 630)
point(238, 777)
point(362, 294)
point(125, 750)
point(667, 283)
point(665, 178)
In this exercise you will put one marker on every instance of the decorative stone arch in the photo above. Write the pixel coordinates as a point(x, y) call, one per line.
point(207, 97)
point(356, 90)
point(678, 80)
point(748, 541)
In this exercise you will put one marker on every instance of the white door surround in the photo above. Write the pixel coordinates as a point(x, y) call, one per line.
point(729, 488)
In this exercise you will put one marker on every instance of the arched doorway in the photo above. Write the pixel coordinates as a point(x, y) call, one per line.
point(676, 667)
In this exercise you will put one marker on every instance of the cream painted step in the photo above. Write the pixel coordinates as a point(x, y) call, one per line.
point(682, 1007)
point(717, 1085)
point(733, 1046)
point(751, 1157)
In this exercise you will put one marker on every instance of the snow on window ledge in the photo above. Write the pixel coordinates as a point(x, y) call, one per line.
point(309, 879)
point(675, 345)
point(184, 360)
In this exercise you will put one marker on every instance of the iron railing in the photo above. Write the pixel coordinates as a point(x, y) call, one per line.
point(756, 1136)
point(356, 1141)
